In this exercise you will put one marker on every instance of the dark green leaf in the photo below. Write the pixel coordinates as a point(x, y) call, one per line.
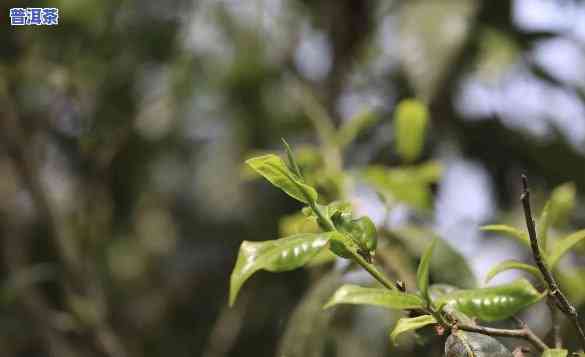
point(513, 264)
point(562, 246)
point(410, 123)
point(508, 231)
point(275, 170)
point(471, 344)
point(422, 273)
point(390, 299)
point(493, 303)
point(409, 324)
point(275, 256)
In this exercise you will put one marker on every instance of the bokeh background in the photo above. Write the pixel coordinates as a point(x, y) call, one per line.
point(123, 130)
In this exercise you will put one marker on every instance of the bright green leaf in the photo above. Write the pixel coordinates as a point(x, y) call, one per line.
point(422, 274)
point(493, 303)
point(390, 299)
point(274, 169)
point(410, 120)
point(510, 265)
point(409, 324)
point(562, 246)
point(275, 256)
point(557, 352)
point(508, 231)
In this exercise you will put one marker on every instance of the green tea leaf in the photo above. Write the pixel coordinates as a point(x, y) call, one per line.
point(275, 256)
point(410, 123)
point(544, 222)
point(471, 344)
point(447, 264)
point(275, 170)
point(410, 185)
point(291, 159)
point(307, 330)
point(349, 131)
point(556, 352)
point(389, 299)
point(422, 274)
point(409, 324)
point(493, 303)
point(510, 265)
point(562, 202)
point(508, 231)
point(562, 246)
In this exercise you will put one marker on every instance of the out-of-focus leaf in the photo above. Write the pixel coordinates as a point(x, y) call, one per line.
point(409, 324)
point(562, 246)
point(448, 265)
point(556, 210)
point(410, 123)
point(422, 273)
point(556, 352)
point(543, 225)
point(429, 40)
point(471, 344)
point(508, 231)
point(348, 132)
point(410, 185)
point(493, 303)
point(562, 202)
point(275, 170)
point(511, 265)
point(571, 282)
point(306, 332)
point(275, 256)
point(18, 282)
point(390, 299)
point(297, 223)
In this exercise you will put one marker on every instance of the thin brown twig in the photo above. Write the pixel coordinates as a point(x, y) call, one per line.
point(560, 299)
point(523, 333)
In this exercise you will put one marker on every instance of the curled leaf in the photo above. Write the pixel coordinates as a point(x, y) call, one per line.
point(422, 274)
point(409, 324)
point(493, 303)
point(508, 231)
point(390, 299)
point(513, 264)
point(275, 256)
point(274, 169)
point(562, 246)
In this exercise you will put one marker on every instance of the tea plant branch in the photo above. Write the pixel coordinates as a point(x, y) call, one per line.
point(524, 333)
point(560, 299)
